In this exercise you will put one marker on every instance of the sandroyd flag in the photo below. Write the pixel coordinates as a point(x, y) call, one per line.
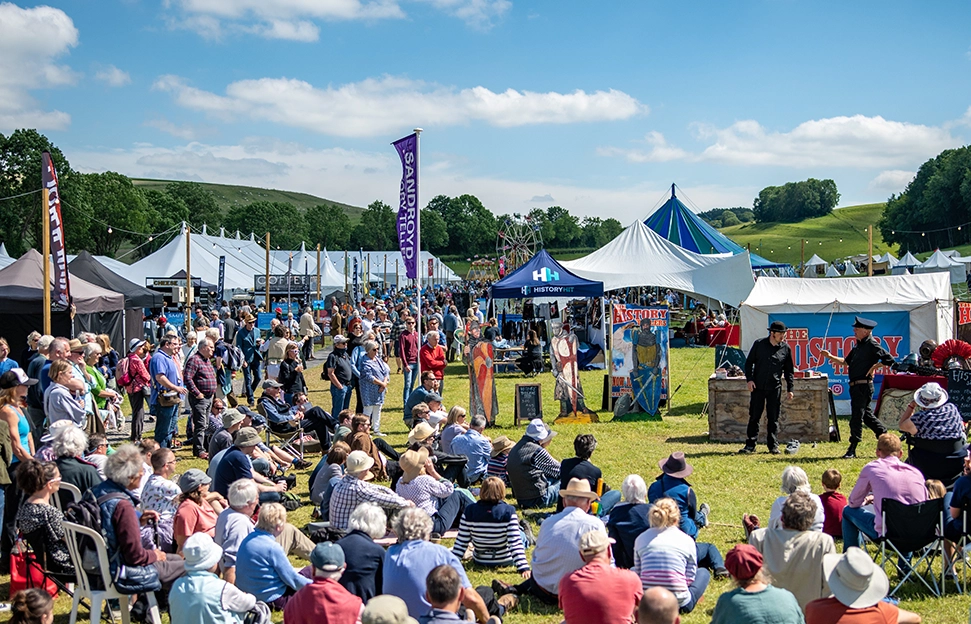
point(408, 235)
point(61, 295)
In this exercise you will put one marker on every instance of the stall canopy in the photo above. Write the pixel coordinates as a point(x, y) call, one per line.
point(641, 257)
point(678, 224)
point(542, 276)
point(91, 270)
point(939, 263)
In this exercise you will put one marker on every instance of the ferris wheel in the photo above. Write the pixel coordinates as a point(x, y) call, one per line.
point(518, 240)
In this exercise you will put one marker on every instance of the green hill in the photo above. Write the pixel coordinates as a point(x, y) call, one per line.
point(840, 233)
point(229, 195)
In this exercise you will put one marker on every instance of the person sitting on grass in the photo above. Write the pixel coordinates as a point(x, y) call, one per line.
point(444, 591)
point(331, 467)
point(324, 601)
point(454, 425)
point(262, 567)
point(429, 386)
point(422, 485)
point(628, 519)
point(353, 489)
point(198, 507)
point(364, 574)
point(491, 529)
point(581, 467)
point(498, 458)
point(794, 479)
point(474, 445)
point(754, 601)
point(833, 503)
point(599, 592)
point(533, 473)
point(31, 606)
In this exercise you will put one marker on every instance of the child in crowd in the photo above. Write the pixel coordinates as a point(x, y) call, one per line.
point(935, 489)
point(833, 503)
point(497, 462)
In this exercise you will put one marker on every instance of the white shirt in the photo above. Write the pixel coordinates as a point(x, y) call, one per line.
point(775, 515)
point(557, 551)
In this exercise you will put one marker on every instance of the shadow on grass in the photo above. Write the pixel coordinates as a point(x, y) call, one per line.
point(694, 439)
point(691, 409)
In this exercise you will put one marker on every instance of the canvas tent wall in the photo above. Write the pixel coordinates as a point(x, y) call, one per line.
point(641, 257)
point(819, 314)
point(939, 263)
point(22, 297)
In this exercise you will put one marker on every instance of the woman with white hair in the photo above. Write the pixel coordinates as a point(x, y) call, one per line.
point(69, 445)
point(262, 567)
point(629, 519)
point(794, 479)
point(121, 523)
point(364, 558)
point(375, 377)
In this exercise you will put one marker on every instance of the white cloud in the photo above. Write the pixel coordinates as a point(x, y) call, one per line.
point(857, 141)
point(299, 30)
point(30, 41)
point(390, 104)
point(660, 150)
point(480, 14)
point(113, 77)
point(542, 199)
point(893, 180)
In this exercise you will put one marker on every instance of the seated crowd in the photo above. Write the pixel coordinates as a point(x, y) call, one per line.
point(220, 546)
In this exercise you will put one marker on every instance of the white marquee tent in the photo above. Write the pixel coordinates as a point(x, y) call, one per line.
point(641, 257)
point(850, 268)
point(939, 263)
point(832, 271)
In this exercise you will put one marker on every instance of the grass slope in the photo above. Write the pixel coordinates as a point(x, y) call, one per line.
point(838, 234)
point(229, 195)
point(731, 484)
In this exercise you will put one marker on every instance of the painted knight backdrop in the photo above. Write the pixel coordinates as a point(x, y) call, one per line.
point(639, 354)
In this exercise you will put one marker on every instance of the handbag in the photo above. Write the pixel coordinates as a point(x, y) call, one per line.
point(131, 580)
point(26, 573)
point(169, 398)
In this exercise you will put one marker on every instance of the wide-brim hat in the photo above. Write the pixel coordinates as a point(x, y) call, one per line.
point(201, 552)
point(501, 445)
point(413, 462)
point(386, 609)
point(930, 395)
point(76, 345)
point(854, 579)
point(579, 488)
point(358, 461)
point(420, 433)
point(676, 465)
point(538, 430)
point(249, 318)
point(232, 416)
point(134, 344)
point(247, 436)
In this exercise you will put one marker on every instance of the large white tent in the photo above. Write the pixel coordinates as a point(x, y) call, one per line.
point(939, 263)
point(389, 267)
point(850, 268)
point(832, 271)
point(641, 257)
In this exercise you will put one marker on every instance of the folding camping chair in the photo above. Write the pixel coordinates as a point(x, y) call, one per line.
point(917, 529)
point(286, 439)
point(962, 553)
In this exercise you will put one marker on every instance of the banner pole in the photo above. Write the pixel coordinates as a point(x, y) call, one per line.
point(267, 293)
point(46, 248)
point(318, 271)
point(188, 279)
point(347, 295)
point(418, 238)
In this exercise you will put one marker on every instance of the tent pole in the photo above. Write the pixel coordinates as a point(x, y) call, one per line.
point(318, 271)
point(347, 295)
point(188, 279)
point(267, 295)
point(46, 248)
point(869, 256)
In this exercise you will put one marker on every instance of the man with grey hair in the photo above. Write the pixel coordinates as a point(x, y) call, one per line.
point(628, 519)
point(658, 606)
point(365, 559)
point(407, 564)
point(325, 600)
point(60, 349)
point(476, 446)
point(35, 393)
point(69, 444)
point(353, 489)
point(166, 377)
point(200, 381)
point(308, 331)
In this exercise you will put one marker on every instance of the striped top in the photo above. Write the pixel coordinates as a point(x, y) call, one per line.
point(493, 530)
point(424, 491)
point(666, 558)
point(497, 467)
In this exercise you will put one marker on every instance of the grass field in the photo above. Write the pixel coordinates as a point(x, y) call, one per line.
point(228, 195)
point(731, 484)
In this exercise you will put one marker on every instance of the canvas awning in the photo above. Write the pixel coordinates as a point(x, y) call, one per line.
point(542, 276)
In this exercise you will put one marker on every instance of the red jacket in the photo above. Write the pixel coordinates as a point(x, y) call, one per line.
point(324, 601)
point(433, 360)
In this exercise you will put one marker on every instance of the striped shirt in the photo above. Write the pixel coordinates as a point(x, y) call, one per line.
point(497, 467)
point(423, 491)
point(493, 530)
point(351, 492)
point(666, 558)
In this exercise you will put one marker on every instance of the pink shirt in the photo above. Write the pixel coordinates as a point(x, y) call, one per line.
point(888, 477)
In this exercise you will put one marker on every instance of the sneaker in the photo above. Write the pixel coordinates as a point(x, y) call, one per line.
point(508, 602)
point(746, 450)
point(378, 434)
point(703, 513)
point(300, 464)
point(775, 450)
point(502, 588)
point(721, 573)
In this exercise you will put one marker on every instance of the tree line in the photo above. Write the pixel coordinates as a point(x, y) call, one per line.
point(725, 217)
point(795, 201)
point(106, 212)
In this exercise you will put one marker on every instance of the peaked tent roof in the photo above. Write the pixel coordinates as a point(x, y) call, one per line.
point(850, 269)
point(815, 261)
point(909, 260)
point(678, 224)
point(542, 276)
point(639, 256)
point(938, 260)
point(87, 268)
point(22, 283)
point(832, 271)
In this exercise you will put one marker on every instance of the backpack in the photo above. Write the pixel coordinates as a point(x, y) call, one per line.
point(122, 374)
point(233, 358)
point(87, 513)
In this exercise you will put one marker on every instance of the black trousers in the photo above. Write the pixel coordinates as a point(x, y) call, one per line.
point(137, 400)
point(769, 401)
point(308, 348)
point(861, 414)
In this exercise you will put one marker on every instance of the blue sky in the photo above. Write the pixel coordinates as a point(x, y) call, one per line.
point(594, 106)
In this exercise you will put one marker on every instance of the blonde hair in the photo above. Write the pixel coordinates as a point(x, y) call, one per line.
point(272, 516)
point(888, 444)
point(935, 489)
point(105, 341)
point(664, 513)
point(454, 414)
point(58, 367)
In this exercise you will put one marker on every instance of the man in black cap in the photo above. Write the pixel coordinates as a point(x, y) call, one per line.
point(767, 362)
point(862, 360)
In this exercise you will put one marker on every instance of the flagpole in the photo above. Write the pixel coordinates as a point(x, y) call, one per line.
point(46, 248)
point(318, 271)
point(188, 279)
point(267, 295)
point(418, 236)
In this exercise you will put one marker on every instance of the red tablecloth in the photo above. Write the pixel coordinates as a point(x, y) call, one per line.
point(906, 382)
point(728, 335)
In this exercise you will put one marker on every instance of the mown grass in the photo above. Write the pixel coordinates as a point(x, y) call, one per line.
point(731, 484)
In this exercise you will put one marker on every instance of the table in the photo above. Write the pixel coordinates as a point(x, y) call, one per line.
point(804, 418)
point(729, 335)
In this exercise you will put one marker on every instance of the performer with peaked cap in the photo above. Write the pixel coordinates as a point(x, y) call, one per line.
point(861, 361)
point(769, 360)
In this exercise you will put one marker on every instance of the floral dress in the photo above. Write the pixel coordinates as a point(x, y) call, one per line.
point(46, 521)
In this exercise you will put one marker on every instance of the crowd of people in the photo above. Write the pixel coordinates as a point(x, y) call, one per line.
point(216, 545)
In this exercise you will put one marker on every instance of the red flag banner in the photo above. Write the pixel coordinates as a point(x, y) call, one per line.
point(61, 295)
point(964, 312)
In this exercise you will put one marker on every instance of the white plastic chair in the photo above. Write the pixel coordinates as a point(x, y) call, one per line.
point(83, 590)
point(67, 487)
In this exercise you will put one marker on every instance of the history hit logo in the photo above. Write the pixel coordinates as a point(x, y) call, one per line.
point(546, 275)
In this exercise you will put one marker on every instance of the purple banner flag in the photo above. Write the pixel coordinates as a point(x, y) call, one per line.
point(408, 235)
point(61, 296)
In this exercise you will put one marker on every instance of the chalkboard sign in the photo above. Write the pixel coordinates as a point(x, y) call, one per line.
point(529, 403)
point(959, 391)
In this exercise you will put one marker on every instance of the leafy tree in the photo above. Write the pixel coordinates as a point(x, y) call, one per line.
point(434, 231)
point(281, 219)
point(377, 229)
point(598, 232)
point(471, 227)
point(729, 218)
point(328, 225)
point(566, 227)
point(162, 213)
point(796, 201)
point(202, 204)
point(117, 205)
point(611, 229)
point(537, 216)
point(20, 172)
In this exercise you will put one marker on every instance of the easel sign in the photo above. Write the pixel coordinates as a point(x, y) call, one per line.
point(529, 403)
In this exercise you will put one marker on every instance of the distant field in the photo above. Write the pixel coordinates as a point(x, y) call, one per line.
point(229, 195)
point(840, 233)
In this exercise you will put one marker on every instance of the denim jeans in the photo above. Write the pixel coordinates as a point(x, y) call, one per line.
point(340, 399)
point(709, 557)
point(607, 502)
point(857, 520)
point(696, 589)
point(410, 379)
point(251, 379)
point(166, 417)
point(547, 500)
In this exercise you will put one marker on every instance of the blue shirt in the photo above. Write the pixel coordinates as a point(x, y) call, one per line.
point(476, 447)
point(234, 465)
point(246, 341)
point(418, 395)
point(406, 566)
point(373, 368)
point(262, 568)
point(162, 364)
point(8, 364)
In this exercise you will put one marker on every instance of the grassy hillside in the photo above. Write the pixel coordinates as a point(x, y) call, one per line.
point(229, 195)
point(838, 234)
